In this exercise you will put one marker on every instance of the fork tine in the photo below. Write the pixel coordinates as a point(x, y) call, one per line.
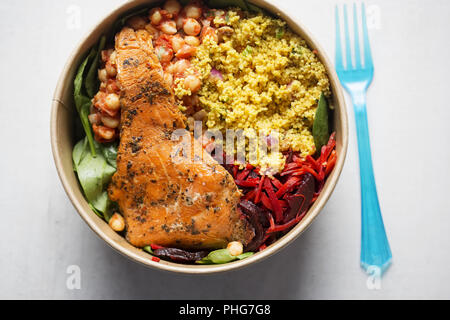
point(367, 55)
point(348, 52)
point(356, 34)
point(338, 54)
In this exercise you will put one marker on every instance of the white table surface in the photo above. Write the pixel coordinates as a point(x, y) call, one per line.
point(42, 234)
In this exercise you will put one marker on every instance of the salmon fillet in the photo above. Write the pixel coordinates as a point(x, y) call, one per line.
point(189, 205)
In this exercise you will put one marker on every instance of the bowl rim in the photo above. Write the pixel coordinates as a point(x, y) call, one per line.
point(136, 254)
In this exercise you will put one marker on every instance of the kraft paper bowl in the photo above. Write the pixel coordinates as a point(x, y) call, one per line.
point(64, 117)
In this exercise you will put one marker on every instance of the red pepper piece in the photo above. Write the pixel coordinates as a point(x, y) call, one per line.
point(250, 195)
point(313, 162)
point(155, 246)
point(235, 171)
point(243, 174)
point(311, 170)
point(156, 259)
point(249, 183)
point(282, 227)
point(330, 163)
point(276, 183)
point(290, 166)
point(273, 201)
point(259, 189)
point(290, 183)
point(266, 201)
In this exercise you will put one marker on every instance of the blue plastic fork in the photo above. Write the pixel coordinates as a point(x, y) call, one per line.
point(375, 251)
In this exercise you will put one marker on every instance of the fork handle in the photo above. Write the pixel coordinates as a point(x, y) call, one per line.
point(375, 250)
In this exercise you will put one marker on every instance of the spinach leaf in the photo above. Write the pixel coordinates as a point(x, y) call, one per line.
point(228, 3)
point(222, 256)
point(82, 101)
point(253, 8)
point(321, 130)
point(109, 151)
point(94, 174)
point(92, 83)
point(243, 4)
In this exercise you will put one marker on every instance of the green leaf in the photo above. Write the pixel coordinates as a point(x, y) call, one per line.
point(84, 117)
point(98, 213)
point(111, 208)
point(221, 256)
point(94, 174)
point(228, 3)
point(92, 83)
point(78, 94)
point(248, 50)
point(253, 8)
point(321, 130)
point(82, 101)
point(109, 151)
point(279, 33)
point(204, 261)
point(245, 255)
point(77, 152)
point(148, 249)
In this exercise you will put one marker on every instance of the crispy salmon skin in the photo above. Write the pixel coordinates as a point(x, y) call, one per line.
point(189, 205)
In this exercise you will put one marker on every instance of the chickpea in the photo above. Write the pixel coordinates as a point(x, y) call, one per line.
point(102, 75)
point(169, 27)
point(193, 11)
point(112, 58)
point(180, 66)
point(200, 115)
point(191, 27)
point(235, 248)
point(104, 132)
point(168, 79)
point(152, 30)
point(112, 101)
point(177, 42)
point(209, 32)
point(112, 87)
point(164, 54)
point(110, 122)
point(94, 118)
point(179, 21)
point(106, 54)
point(192, 83)
point(110, 69)
point(190, 123)
point(155, 16)
point(192, 41)
point(117, 222)
point(136, 22)
point(172, 6)
point(186, 51)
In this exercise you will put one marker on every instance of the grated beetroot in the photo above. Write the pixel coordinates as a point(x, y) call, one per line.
point(284, 199)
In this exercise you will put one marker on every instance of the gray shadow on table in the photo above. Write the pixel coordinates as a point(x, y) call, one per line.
point(277, 277)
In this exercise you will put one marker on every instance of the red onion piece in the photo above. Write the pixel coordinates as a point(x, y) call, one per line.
point(216, 74)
